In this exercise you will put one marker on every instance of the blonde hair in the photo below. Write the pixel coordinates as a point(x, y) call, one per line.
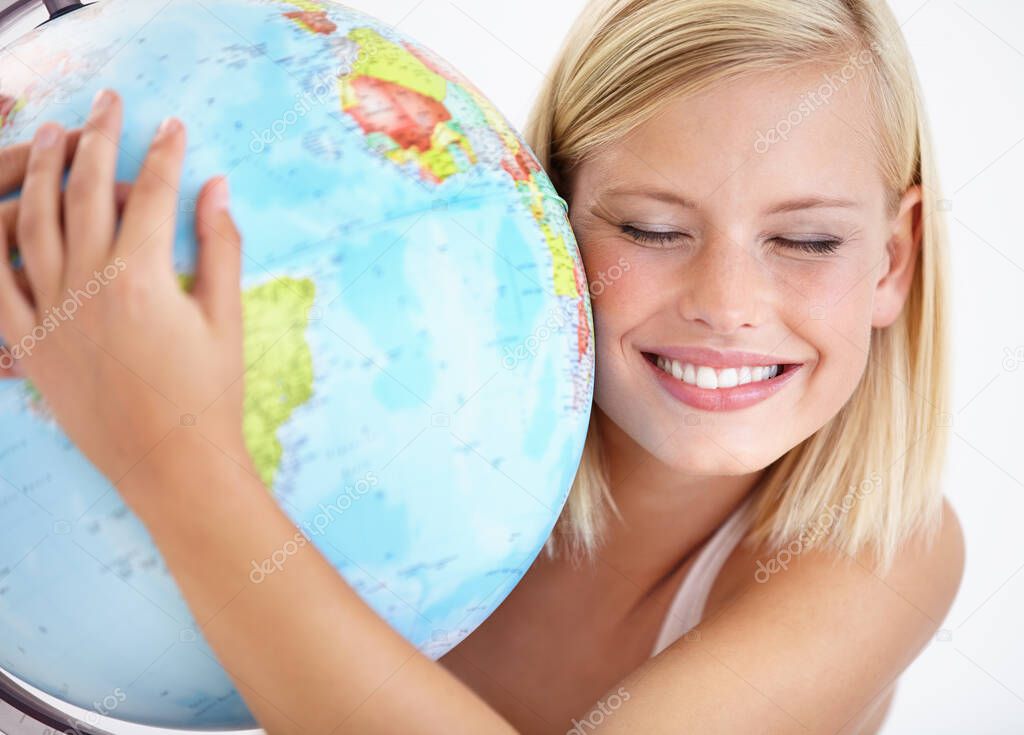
point(622, 61)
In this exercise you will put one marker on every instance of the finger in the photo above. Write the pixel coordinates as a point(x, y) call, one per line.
point(147, 229)
point(121, 191)
point(9, 209)
point(14, 162)
point(16, 313)
point(9, 217)
point(8, 222)
point(10, 369)
point(90, 209)
point(38, 232)
point(219, 262)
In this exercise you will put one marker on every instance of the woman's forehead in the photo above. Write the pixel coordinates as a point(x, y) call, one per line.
point(741, 135)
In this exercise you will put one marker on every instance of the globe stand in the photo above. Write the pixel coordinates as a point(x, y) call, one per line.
point(23, 714)
point(27, 711)
point(12, 10)
point(57, 8)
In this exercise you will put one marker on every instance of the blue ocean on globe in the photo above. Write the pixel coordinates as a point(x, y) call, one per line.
point(418, 340)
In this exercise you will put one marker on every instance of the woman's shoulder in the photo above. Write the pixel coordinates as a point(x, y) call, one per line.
point(820, 626)
point(923, 567)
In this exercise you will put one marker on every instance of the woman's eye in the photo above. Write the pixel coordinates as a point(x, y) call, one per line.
point(822, 246)
point(651, 236)
point(819, 246)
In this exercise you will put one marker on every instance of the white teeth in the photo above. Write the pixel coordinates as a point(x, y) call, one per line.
point(706, 377)
point(709, 378)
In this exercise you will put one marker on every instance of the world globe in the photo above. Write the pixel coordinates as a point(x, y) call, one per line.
point(418, 341)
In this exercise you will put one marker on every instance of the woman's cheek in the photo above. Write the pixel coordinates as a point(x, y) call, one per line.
point(610, 273)
point(629, 298)
point(839, 328)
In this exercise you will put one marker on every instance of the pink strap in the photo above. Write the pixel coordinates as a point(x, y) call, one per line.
point(688, 604)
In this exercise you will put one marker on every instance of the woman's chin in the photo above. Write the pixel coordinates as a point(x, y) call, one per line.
point(707, 451)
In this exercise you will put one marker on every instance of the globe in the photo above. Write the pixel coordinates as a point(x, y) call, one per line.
point(418, 341)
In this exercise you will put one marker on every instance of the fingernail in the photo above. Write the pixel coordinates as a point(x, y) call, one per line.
point(220, 194)
point(168, 127)
point(12, 366)
point(46, 136)
point(102, 101)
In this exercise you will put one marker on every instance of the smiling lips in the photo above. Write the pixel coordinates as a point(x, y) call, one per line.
point(718, 381)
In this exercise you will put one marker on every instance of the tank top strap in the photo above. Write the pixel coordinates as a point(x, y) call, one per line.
point(687, 606)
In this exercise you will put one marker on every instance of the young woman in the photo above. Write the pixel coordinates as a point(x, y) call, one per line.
point(756, 540)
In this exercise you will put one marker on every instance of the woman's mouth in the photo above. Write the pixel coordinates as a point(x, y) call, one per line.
point(711, 378)
point(719, 389)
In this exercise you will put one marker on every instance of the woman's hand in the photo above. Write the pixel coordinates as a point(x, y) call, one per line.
point(100, 323)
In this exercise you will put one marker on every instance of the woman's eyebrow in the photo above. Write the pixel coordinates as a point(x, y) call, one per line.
point(790, 205)
point(812, 202)
point(660, 194)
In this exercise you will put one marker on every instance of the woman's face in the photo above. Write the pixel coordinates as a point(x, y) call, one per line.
point(750, 218)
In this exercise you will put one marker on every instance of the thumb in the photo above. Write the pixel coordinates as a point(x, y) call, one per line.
point(219, 262)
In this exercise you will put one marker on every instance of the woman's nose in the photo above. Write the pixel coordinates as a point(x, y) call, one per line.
point(722, 285)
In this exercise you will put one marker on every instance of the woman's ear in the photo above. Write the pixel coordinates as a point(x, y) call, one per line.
point(897, 270)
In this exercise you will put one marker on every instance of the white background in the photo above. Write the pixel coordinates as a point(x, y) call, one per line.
point(970, 57)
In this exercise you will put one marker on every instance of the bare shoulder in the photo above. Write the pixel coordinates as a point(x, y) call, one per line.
point(932, 573)
point(817, 643)
point(925, 573)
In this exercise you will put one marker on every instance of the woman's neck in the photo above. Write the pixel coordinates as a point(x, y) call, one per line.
point(666, 514)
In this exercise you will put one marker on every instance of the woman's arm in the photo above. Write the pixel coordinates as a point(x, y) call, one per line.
point(815, 648)
point(307, 654)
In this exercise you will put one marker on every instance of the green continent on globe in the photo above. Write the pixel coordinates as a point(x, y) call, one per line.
point(399, 94)
point(279, 365)
point(391, 91)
